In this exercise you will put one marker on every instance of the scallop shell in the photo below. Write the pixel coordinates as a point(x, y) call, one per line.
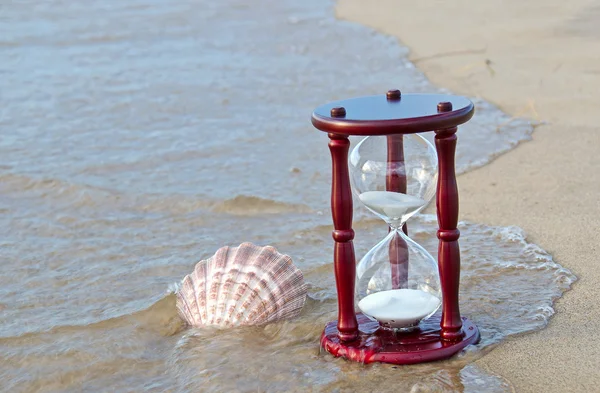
point(244, 285)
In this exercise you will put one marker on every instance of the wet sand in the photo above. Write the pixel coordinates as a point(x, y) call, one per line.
point(536, 60)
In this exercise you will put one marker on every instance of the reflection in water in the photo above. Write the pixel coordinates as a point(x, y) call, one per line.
point(142, 135)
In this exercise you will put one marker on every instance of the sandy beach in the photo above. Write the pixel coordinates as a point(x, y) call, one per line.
point(537, 60)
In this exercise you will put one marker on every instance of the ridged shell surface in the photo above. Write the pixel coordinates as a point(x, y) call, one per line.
point(244, 285)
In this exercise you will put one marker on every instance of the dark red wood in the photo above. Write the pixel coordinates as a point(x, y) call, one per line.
point(377, 115)
point(398, 253)
point(396, 182)
point(393, 95)
point(447, 214)
point(376, 344)
point(343, 257)
point(396, 172)
point(361, 339)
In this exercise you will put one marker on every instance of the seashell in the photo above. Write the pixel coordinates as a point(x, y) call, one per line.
point(244, 285)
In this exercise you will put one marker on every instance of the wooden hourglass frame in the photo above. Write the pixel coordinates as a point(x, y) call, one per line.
point(355, 336)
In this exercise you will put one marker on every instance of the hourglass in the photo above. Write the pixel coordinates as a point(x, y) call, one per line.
point(397, 287)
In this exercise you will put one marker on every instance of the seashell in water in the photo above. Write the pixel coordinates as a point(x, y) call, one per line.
point(244, 285)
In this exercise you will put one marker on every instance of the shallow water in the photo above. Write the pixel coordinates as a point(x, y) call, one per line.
point(139, 137)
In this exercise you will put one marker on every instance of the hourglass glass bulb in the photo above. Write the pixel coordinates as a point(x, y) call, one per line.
point(394, 186)
point(397, 283)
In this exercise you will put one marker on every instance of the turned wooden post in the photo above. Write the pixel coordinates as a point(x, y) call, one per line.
point(343, 255)
point(396, 181)
point(447, 214)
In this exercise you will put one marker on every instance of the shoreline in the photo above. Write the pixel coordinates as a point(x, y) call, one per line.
point(515, 56)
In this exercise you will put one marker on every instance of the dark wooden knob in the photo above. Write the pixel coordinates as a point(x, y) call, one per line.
point(393, 95)
point(339, 111)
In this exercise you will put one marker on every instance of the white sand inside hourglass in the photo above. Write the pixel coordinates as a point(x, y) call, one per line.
point(390, 204)
point(399, 308)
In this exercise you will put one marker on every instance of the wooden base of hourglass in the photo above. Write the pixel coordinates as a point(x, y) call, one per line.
point(356, 337)
point(376, 344)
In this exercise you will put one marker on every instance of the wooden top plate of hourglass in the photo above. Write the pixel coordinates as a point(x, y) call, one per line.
point(392, 113)
point(396, 285)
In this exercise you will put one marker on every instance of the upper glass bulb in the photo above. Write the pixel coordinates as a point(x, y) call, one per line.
point(394, 183)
